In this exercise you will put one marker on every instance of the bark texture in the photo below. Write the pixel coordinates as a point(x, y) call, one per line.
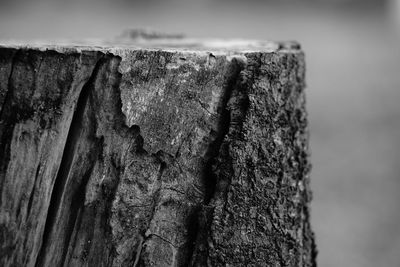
point(136, 156)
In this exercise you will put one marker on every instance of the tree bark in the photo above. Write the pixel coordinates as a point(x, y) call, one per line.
point(140, 156)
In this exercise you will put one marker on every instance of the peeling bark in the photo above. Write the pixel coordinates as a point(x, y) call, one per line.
point(146, 157)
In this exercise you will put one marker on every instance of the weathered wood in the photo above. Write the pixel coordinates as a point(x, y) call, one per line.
point(193, 154)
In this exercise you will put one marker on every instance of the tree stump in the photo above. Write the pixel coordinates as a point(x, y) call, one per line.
point(165, 152)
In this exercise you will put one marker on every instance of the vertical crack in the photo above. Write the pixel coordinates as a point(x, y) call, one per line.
point(78, 200)
point(193, 228)
point(9, 92)
point(7, 122)
point(223, 125)
point(199, 222)
point(33, 191)
point(74, 132)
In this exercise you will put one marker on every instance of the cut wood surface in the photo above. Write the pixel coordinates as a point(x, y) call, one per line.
point(164, 152)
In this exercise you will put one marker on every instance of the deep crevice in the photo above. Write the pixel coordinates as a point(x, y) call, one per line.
point(197, 226)
point(66, 162)
point(33, 191)
point(213, 150)
point(193, 228)
point(7, 123)
point(9, 92)
point(78, 200)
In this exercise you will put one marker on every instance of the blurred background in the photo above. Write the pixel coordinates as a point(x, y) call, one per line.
point(353, 75)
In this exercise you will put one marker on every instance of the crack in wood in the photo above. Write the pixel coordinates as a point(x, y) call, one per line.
point(32, 194)
point(7, 123)
point(73, 135)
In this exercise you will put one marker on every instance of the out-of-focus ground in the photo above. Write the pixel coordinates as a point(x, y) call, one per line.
point(353, 77)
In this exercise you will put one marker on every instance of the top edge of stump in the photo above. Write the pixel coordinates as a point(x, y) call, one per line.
point(175, 44)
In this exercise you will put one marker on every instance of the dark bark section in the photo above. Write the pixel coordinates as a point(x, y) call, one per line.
point(153, 158)
point(258, 210)
point(31, 114)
